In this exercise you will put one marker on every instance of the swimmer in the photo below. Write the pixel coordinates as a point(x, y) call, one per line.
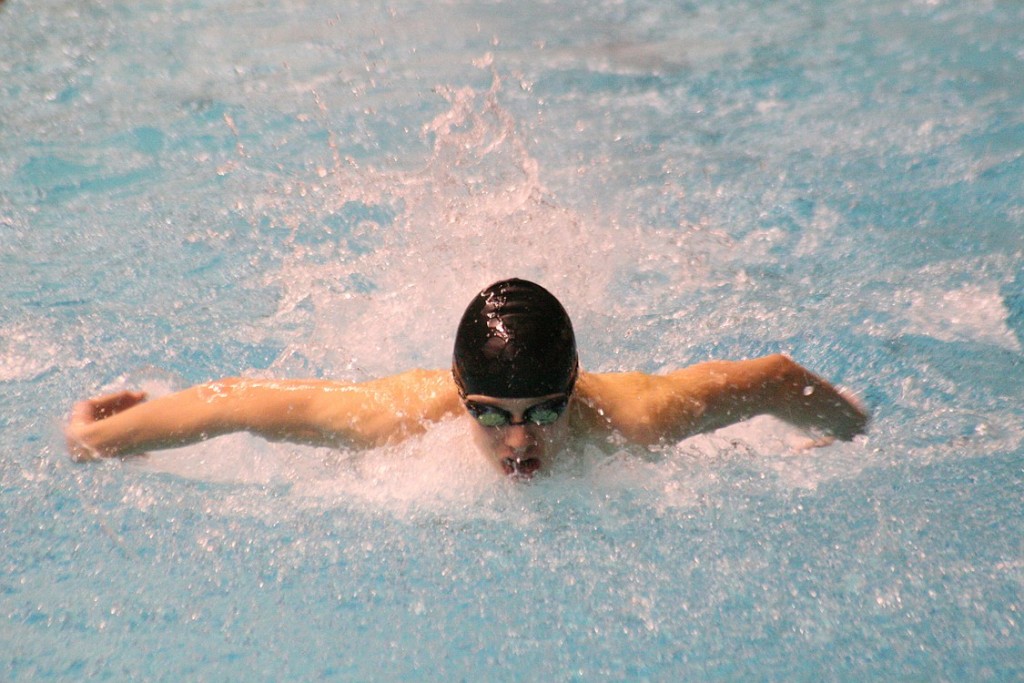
point(515, 374)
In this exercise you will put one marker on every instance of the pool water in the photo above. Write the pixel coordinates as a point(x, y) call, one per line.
point(191, 190)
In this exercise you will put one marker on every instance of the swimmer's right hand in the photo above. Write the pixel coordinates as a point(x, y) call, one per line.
point(87, 413)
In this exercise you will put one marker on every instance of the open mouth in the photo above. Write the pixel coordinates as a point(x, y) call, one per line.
point(520, 467)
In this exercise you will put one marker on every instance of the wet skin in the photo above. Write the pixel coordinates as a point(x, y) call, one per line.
point(521, 448)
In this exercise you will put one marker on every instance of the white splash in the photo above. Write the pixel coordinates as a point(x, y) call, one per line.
point(973, 312)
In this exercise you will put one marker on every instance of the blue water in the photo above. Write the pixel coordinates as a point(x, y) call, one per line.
point(190, 190)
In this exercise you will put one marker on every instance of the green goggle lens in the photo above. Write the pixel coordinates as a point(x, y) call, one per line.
point(492, 419)
point(544, 416)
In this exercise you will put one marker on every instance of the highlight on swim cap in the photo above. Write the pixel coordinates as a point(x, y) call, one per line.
point(515, 341)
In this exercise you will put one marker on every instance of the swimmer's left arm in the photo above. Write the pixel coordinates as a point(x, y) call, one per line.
point(715, 394)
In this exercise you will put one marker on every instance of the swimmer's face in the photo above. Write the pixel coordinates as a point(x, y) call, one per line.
point(519, 436)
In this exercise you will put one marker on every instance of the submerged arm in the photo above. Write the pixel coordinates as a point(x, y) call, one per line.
point(707, 396)
point(314, 412)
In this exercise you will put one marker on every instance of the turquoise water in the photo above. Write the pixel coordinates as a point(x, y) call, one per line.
point(190, 190)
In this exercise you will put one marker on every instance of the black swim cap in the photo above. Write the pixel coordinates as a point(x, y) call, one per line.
point(515, 341)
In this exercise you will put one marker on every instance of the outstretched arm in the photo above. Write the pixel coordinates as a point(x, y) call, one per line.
point(707, 396)
point(314, 412)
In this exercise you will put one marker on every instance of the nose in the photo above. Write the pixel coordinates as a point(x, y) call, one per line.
point(518, 438)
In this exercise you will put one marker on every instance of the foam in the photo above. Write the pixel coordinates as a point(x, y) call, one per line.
point(968, 307)
point(441, 474)
point(32, 347)
point(475, 212)
point(972, 312)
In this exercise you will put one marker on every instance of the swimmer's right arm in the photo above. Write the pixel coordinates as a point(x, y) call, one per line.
point(312, 412)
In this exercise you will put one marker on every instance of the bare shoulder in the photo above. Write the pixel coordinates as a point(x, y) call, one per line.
point(610, 389)
point(417, 384)
point(622, 402)
point(430, 393)
point(389, 408)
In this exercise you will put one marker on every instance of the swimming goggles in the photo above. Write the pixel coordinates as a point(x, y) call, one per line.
point(544, 413)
